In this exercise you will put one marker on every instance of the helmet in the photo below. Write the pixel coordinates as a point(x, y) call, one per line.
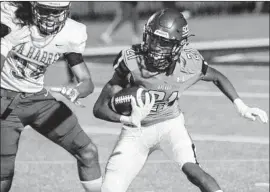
point(165, 33)
point(50, 17)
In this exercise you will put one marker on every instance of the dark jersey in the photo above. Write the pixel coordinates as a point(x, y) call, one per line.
point(167, 89)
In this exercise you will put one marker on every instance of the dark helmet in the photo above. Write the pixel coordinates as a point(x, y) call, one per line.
point(50, 17)
point(165, 33)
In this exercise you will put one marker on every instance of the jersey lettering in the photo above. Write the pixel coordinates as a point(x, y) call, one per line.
point(130, 54)
point(160, 101)
point(192, 54)
point(27, 69)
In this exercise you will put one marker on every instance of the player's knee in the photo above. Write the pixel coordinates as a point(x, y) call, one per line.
point(7, 172)
point(88, 155)
point(7, 168)
point(195, 173)
point(5, 184)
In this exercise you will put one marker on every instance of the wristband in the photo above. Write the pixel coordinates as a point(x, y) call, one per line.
point(240, 105)
point(124, 119)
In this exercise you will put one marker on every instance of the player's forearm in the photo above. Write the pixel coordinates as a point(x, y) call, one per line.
point(226, 87)
point(102, 111)
point(85, 88)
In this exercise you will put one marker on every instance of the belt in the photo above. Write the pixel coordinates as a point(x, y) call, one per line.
point(11, 94)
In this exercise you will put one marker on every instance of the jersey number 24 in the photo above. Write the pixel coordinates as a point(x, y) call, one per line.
point(161, 100)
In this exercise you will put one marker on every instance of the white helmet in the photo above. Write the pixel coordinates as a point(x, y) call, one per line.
point(50, 17)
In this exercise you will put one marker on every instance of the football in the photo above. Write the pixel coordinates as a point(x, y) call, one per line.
point(121, 101)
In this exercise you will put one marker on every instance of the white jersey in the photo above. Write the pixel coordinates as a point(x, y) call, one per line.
point(26, 64)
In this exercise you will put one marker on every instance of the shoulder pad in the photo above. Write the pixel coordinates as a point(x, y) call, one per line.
point(75, 34)
point(8, 15)
point(125, 62)
point(192, 61)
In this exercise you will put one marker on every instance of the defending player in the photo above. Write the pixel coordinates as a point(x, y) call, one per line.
point(40, 33)
point(165, 64)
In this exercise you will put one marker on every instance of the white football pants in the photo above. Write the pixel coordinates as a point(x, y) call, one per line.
point(134, 145)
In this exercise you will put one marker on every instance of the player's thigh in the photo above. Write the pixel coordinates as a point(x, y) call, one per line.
point(127, 159)
point(177, 144)
point(57, 122)
point(11, 128)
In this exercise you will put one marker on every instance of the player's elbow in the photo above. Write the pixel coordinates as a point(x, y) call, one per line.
point(98, 110)
point(91, 86)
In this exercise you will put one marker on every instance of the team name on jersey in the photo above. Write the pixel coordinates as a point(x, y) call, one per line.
point(165, 87)
point(37, 54)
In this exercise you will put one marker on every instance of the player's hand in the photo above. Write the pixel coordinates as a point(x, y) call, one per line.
point(252, 113)
point(140, 111)
point(68, 92)
point(249, 112)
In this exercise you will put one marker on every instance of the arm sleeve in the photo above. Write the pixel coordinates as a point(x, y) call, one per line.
point(121, 69)
point(4, 30)
point(73, 58)
point(204, 67)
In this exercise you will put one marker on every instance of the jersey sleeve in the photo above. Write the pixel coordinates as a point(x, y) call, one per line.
point(78, 37)
point(120, 67)
point(193, 61)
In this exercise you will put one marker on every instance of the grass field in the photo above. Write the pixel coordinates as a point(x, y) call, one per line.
point(232, 149)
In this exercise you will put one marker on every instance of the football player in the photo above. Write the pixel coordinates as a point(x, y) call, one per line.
point(166, 65)
point(41, 33)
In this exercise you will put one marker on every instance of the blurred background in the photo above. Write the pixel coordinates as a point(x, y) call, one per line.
point(98, 10)
point(232, 36)
point(111, 24)
point(244, 18)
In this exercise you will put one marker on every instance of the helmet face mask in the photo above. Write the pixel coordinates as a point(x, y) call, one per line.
point(50, 17)
point(159, 51)
point(165, 33)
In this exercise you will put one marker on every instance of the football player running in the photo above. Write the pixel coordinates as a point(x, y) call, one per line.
point(40, 32)
point(166, 64)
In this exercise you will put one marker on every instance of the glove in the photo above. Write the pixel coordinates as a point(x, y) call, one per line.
point(139, 112)
point(68, 92)
point(250, 113)
point(14, 38)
